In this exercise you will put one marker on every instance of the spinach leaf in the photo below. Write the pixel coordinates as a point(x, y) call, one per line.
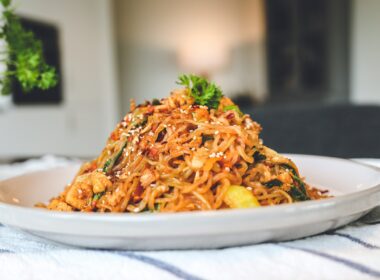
point(297, 194)
point(273, 183)
point(206, 138)
point(291, 168)
point(156, 102)
point(112, 161)
point(258, 157)
point(300, 184)
point(97, 196)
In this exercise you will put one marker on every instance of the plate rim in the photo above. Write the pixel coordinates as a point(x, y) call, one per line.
point(305, 208)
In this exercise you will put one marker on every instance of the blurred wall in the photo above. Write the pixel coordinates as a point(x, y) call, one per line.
point(365, 52)
point(80, 125)
point(152, 34)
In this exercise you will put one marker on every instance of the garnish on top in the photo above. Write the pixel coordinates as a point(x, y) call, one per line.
point(204, 92)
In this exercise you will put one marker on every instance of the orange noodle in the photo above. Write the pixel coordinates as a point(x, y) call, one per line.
point(174, 155)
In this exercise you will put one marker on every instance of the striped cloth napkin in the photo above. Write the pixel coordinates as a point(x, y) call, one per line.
point(352, 252)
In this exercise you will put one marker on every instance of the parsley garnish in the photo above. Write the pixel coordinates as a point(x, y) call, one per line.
point(204, 92)
point(24, 56)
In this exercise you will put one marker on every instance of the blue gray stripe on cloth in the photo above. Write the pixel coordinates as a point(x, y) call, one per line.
point(5, 251)
point(355, 240)
point(351, 264)
point(158, 264)
point(371, 222)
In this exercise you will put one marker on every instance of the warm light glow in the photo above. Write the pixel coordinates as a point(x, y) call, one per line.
point(203, 56)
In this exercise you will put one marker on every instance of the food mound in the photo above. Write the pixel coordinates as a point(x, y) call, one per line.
point(194, 150)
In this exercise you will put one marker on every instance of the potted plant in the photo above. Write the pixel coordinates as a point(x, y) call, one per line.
point(21, 55)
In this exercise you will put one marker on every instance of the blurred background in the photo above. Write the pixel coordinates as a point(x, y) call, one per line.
point(306, 70)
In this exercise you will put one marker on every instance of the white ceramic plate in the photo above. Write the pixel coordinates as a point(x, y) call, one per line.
point(357, 190)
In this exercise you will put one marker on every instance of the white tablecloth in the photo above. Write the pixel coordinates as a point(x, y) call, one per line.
point(352, 252)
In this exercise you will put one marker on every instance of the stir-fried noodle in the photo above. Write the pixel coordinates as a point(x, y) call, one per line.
point(173, 155)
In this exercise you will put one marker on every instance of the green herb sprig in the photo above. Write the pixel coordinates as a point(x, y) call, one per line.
point(204, 92)
point(23, 56)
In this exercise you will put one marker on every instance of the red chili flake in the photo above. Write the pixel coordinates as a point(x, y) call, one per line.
point(93, 166)
point(142, 145)
point(149, 110)
point(230, 116)
point(136, 195)
point(226, 164)
point(114, 135)
point(154, 127)
point(153, 153)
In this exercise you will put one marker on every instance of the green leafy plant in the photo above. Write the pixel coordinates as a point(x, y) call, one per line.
point(204, 92)
point(23, 56)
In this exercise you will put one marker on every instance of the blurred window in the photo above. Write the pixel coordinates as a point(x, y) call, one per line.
point(307, 50)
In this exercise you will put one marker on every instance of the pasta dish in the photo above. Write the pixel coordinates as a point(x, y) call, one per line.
point(194, 150)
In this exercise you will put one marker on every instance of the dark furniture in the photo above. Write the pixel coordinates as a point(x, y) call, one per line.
point(333, 130)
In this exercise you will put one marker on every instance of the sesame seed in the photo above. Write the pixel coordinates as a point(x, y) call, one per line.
point(216, 155)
